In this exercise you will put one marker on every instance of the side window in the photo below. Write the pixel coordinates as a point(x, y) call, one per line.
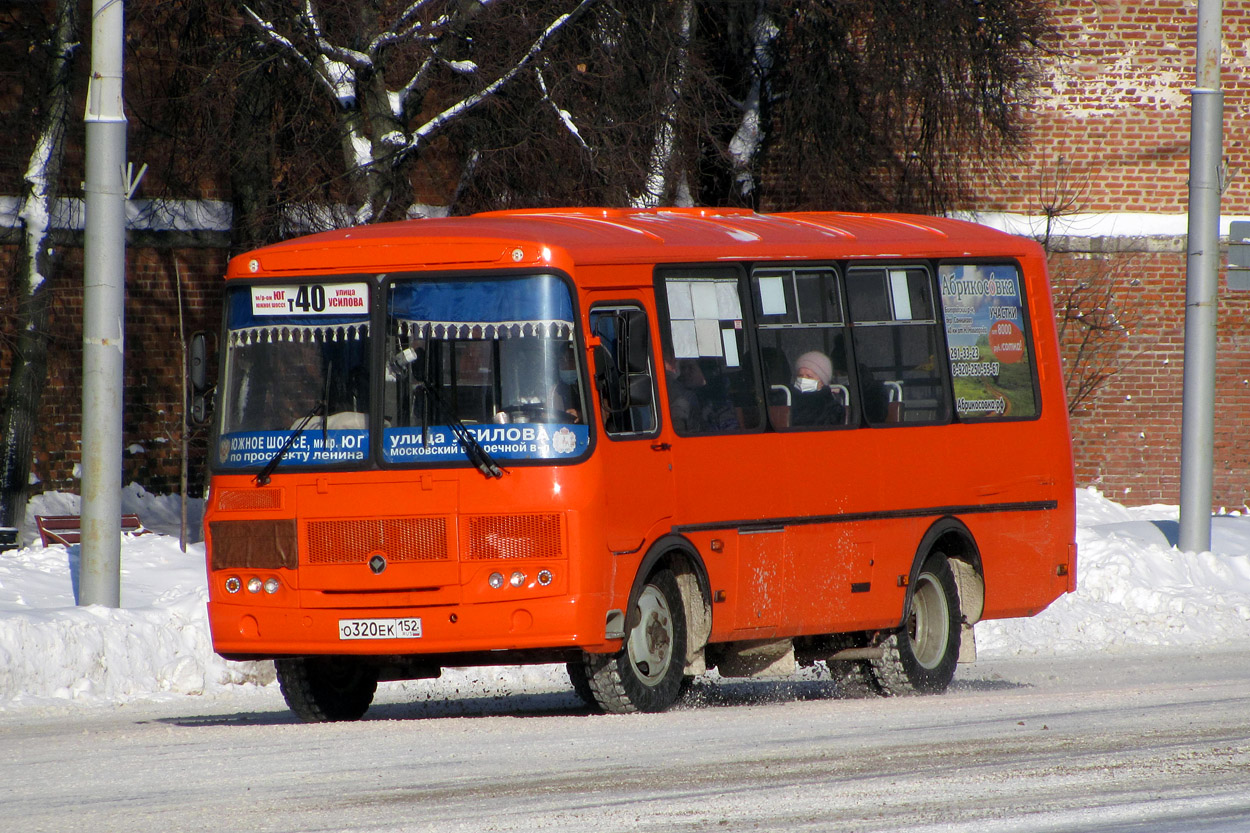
point(895, 335)
point(710, 378)
point(802, 338)
point(987, 336)
point(624, 371)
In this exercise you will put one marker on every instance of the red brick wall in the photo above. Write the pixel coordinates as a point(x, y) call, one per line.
point(1126, 438)
point(153, 387)
point(1115, 107)
point(1110, 133)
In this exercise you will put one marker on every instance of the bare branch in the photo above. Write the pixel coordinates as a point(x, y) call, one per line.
point(432, 127)
point(564, 116)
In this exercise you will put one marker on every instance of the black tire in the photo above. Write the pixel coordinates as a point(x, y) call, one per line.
point(326, 689)
point(920, 657)
point(646, 675)
point(854, 678)
point(581, 683)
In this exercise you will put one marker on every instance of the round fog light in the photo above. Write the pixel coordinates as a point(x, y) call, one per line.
point(518, 578)
point(271, 585)
point(253, 585)
point(495, 580)
point(544, 577)
point(233, 585)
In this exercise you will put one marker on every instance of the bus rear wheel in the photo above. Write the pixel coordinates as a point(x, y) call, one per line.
point(646, 675)
point(327, 689)
point(920, 657)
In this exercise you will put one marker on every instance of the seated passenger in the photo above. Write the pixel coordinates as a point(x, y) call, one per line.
point(683, 404)
point(706, 377)
point(814, 402)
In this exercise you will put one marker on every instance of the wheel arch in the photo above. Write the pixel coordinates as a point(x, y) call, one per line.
point(678, 555)
point(951, 537)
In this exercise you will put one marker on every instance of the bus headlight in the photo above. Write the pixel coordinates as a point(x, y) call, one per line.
point(518, 579)
point(271, 585)
point(233, 585)
point(495, 580)
point(254, 585)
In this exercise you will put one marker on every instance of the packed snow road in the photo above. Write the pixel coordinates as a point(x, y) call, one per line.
point(1150, 742)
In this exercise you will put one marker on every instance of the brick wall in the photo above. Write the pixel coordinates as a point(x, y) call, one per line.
point(1127, 437)
point(1110, 134)
point(1115, 109)
point(153, 386)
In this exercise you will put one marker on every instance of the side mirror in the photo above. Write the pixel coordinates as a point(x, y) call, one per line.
point(197, 362)
point(636, 343)
point(197, 375)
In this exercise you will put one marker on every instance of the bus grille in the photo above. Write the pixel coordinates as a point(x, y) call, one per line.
point(235, 500)
point(400, 539)
point(492, 537)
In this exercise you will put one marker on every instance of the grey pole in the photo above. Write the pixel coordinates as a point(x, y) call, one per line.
point(103, 309)
point(1202, 285)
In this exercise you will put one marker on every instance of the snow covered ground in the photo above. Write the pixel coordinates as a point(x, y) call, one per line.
point(1136, 593)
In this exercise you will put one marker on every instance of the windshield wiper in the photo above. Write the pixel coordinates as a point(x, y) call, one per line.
point(473, 449)
point(262, 477)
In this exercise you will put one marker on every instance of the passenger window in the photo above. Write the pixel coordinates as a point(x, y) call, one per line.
point(624, 371)
point(895, 338)
point(987, 339)
point(802, 337)
point(708, 374)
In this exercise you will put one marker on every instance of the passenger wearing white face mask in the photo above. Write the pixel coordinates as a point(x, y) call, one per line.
point(814, 402)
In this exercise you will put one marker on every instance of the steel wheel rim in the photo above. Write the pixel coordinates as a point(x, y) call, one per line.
point(928, 627)
point(650, 646)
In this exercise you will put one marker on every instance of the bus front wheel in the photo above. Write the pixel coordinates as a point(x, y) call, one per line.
point(646, 675)
point(920, 657)
point(326, 689)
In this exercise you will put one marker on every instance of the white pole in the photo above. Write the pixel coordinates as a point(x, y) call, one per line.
point(103, 337)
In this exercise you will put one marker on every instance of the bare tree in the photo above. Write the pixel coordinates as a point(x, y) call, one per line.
point(882, 102)
point(1094, 306)
point(398, 74)
point(1096, 324)
point(1061, 192)
point(53, 53)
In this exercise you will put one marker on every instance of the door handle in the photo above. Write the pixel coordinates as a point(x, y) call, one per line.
point(660, 446)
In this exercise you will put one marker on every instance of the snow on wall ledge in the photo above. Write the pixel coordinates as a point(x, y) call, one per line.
point(1091, 225)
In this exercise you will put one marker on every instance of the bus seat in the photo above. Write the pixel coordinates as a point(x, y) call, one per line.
point(779, 416)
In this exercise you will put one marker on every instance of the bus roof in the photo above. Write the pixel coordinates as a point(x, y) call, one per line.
point(588, 236)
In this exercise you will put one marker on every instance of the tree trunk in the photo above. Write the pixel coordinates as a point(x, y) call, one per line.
point(36, 262)
point(662, 181)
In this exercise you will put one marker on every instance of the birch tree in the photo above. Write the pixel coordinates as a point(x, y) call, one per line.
point(664, 181)
point(397, 75)
point(36, 259)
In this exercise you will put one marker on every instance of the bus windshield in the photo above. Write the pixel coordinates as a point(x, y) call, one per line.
point(496, 358)
point(296, 361)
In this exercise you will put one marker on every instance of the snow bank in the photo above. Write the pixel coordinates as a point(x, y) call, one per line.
point(1135, 589)
point(1135, 592)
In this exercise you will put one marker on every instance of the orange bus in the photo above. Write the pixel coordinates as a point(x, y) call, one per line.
point(644, 443)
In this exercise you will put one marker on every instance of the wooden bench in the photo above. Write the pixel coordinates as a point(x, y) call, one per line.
point(67, 529)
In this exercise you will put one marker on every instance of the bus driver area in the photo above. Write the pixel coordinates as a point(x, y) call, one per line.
point(643, 443)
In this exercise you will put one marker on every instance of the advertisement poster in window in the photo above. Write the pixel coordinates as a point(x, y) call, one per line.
point(987, 338)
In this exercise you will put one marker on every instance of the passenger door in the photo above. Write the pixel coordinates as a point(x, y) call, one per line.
point(638, 476)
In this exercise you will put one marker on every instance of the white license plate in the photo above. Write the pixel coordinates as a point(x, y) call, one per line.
point(379, 629)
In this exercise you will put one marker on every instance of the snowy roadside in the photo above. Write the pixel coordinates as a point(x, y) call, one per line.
point(1135, 592)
